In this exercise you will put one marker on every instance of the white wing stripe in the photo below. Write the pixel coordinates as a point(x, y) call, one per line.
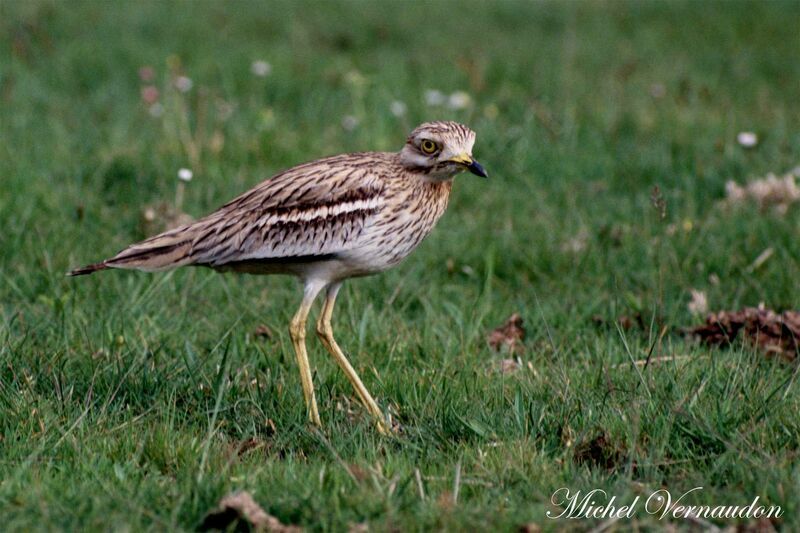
point(322, 212)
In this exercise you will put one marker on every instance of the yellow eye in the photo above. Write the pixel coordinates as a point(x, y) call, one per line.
point(428, 146)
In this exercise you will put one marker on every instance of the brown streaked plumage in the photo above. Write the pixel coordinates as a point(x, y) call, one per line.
point(324, 221)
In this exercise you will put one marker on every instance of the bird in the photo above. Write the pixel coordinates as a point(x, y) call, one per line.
point(324, 222)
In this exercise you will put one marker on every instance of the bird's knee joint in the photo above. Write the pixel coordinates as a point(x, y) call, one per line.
point(323, 329)
point(297, 329)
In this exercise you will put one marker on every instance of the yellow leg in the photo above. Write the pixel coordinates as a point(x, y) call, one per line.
point(297, 330)
point(325, 332)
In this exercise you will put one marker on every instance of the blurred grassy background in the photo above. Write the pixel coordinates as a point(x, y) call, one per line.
point(136, 401)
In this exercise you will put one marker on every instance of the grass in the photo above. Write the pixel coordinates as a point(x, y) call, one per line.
point(135, 401)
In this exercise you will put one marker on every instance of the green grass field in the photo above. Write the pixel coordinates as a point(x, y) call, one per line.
point(131, 401)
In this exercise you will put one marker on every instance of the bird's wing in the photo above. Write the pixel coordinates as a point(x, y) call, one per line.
point(315, 209)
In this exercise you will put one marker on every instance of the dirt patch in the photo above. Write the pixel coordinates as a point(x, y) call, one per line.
point(599, 451)
point(776, 334)
point(508, 337)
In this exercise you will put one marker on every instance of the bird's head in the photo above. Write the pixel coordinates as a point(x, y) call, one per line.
point(440, 150)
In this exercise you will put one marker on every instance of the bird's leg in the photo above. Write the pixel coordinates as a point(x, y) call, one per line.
point(297, 330)
point(325, 332)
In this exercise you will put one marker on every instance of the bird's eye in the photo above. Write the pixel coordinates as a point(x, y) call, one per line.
point(428, 146)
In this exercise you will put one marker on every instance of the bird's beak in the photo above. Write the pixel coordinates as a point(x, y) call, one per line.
point(471, 165)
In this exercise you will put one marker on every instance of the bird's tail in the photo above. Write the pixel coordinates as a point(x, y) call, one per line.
point(88, 269)
point(162, 252)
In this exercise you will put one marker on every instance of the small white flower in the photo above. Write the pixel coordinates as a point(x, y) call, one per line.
point(748, 139)
point(156, 110)
point(184, 174)
point(184, 84)
point(434, 97)
point(349, 122)
point(398, 108)
point(262, 69)
point(459, 100)
point(699, 303)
